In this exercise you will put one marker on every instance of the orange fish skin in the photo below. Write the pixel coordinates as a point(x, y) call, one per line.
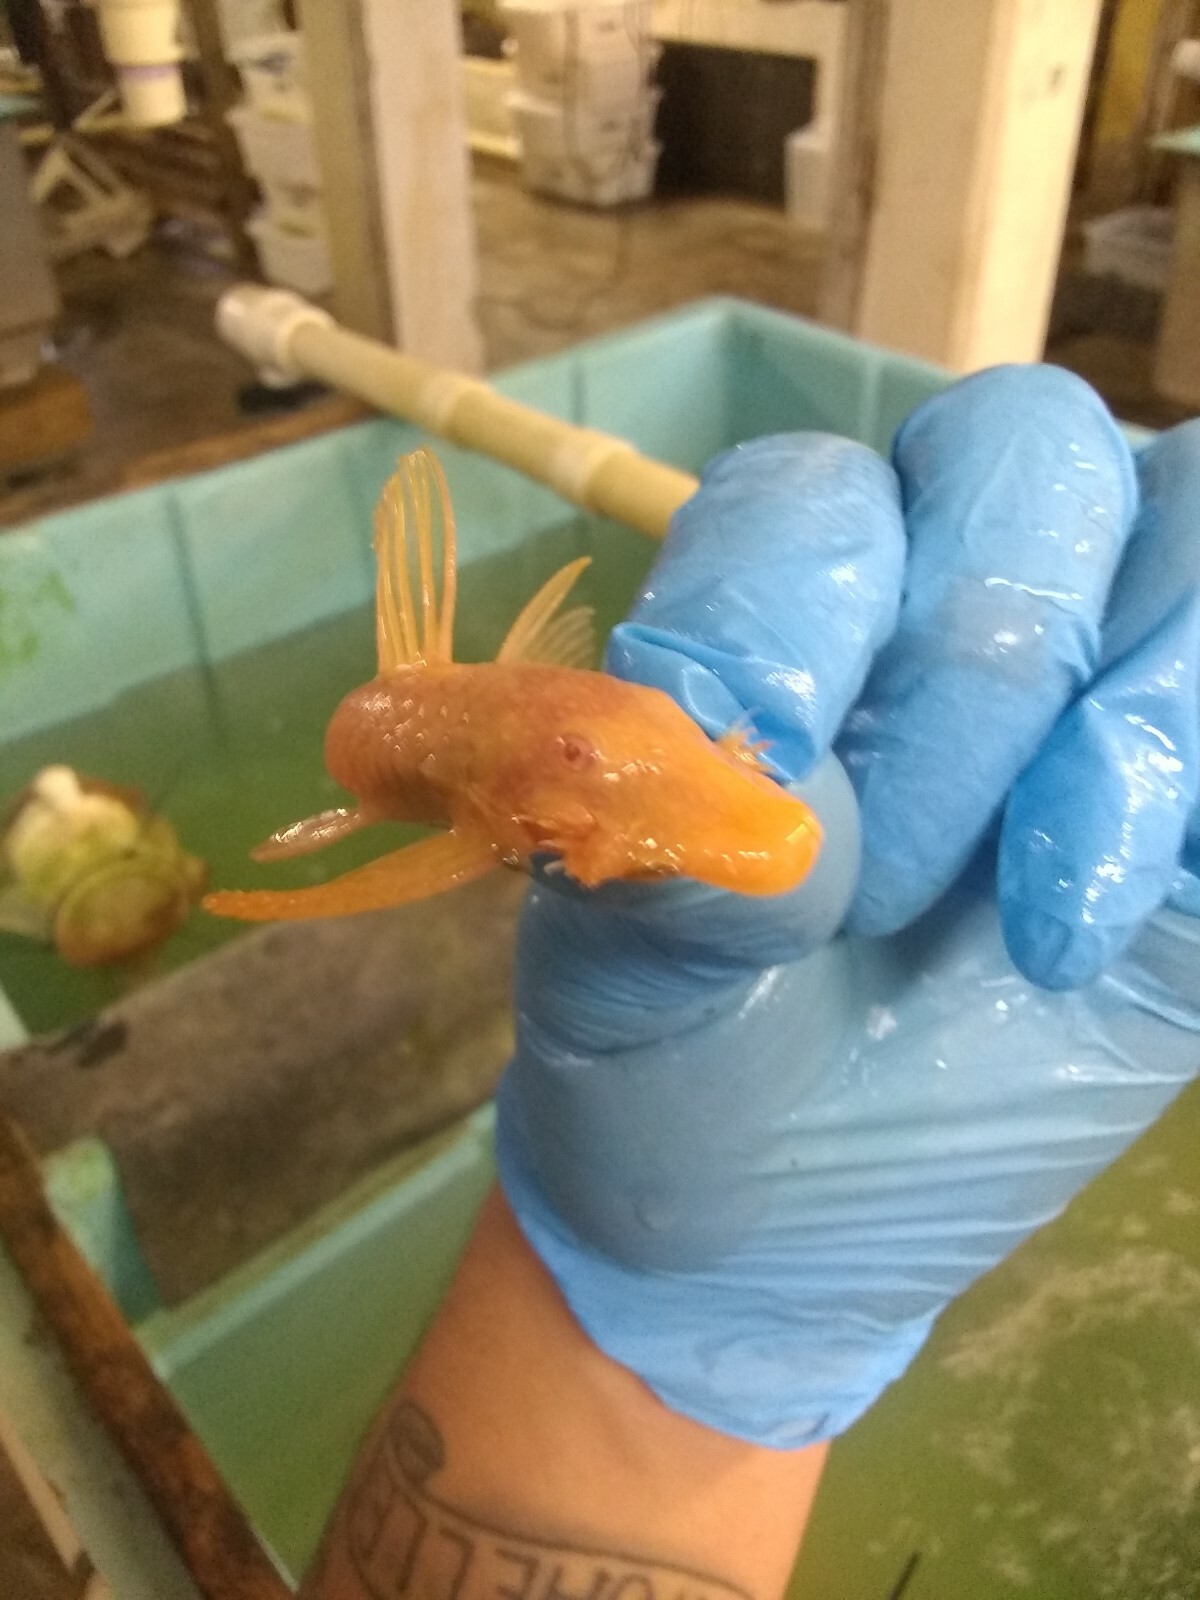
point(613, 777)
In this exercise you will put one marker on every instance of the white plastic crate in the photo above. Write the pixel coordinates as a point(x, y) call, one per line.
point(603, 180)
point(1133, 244)
point(276, 149)
point(273, 72)
point(556, 130)
point(595, 50)
point(296, 260)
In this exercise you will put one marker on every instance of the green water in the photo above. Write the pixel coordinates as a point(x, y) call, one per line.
point(231, 751)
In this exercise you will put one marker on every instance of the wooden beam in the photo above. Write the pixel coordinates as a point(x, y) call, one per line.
point(390, 116)
point(970, 151)
point(855, 159)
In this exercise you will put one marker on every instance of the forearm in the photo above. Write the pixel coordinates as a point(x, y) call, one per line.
point(515, 1461)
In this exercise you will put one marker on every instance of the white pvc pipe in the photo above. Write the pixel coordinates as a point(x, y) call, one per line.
point(287, 339)
point(141, 40)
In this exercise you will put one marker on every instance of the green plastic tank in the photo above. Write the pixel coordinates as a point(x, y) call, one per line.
point(1047, 1442)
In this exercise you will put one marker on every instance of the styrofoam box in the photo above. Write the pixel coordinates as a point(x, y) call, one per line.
point(289, 257)
point(488, 86)
point(553, 130)
point(596, 51)
point(273, 71)
point(603, 180)
point(1133, 244)
point(296, 207)
point(277, 149)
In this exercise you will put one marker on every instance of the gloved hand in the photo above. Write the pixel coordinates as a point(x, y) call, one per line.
point(760, 1160)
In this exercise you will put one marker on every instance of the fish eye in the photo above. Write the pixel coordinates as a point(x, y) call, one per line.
point(576, 751)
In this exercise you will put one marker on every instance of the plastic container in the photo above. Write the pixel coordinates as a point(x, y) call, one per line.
point(600, 51)
point(297, 258)
point(599, 178)
point(139, 32)
point(277, 149)
point(274, 74)
point(1133, 245)
point(554, 130)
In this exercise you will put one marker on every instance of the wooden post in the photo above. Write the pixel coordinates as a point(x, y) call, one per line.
point(388, 103)
point(1177, 356)
point(967, 141)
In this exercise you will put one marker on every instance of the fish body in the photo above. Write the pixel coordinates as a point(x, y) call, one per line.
point(529, 755)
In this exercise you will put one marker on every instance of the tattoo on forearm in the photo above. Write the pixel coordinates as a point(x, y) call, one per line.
point(406, 1544)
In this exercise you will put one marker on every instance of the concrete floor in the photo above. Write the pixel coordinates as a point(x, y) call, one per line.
point(139, 335)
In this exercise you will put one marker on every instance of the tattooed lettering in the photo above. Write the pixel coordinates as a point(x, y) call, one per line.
point(406, 1544)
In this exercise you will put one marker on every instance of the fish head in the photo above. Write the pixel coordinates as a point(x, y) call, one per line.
point(635, 789)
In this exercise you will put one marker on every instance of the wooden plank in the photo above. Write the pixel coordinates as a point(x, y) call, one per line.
point(344, 128)
point(181, 461)
point(208, 1528)
point(977, 132)
point(420, 123)
point(856, 154)
point(43, 421)
point(80, 1580)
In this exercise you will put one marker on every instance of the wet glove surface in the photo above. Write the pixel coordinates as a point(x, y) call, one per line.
point(760, 1159)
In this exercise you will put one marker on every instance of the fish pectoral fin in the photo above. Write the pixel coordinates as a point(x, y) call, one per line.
point(544, 634)
point(312, 833)
point(414, 535)
point(414, 873)
point(736, 742)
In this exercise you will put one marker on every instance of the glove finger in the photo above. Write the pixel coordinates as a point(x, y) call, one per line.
point(1094, 829)
point(1104, 825)
point(1161, 566)
point(777, 583)
point(1019, 492)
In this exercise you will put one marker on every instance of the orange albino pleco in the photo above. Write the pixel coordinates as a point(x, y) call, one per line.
point(530, 754)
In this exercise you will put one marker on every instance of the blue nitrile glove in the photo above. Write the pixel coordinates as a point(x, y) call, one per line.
point(757, 1161)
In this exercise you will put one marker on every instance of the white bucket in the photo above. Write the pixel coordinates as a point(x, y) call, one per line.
point(139, 33)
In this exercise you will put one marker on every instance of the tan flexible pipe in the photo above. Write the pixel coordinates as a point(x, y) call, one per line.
point(285, 335)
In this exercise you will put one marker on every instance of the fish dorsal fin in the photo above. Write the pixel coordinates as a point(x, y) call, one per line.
point(415, 555)
point(544, 634)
